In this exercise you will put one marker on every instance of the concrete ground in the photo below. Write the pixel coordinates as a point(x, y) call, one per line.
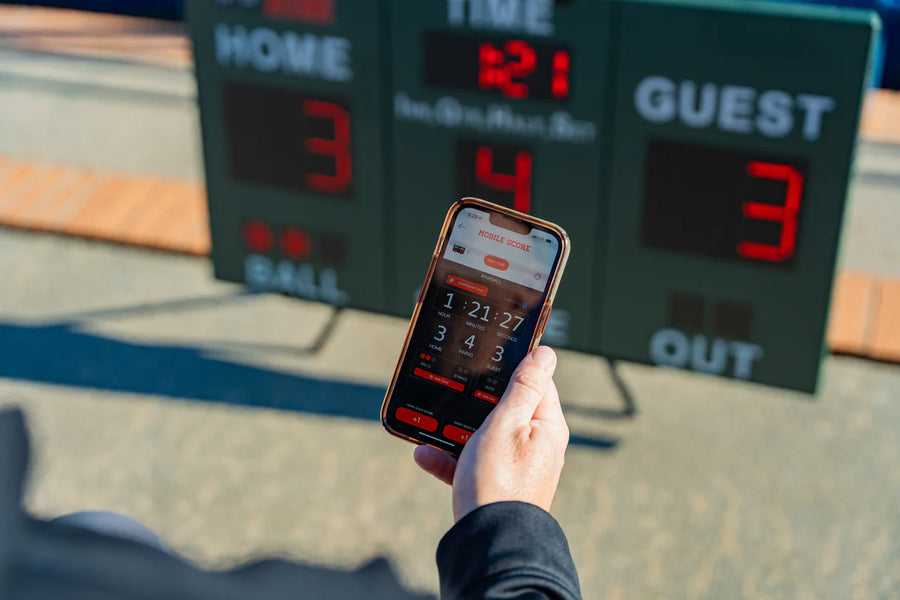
point(139, 373)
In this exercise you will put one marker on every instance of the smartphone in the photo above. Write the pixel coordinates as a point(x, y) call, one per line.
point(483, 306)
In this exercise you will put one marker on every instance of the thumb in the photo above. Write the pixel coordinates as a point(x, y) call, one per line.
point(527, 387)
point(437, 462)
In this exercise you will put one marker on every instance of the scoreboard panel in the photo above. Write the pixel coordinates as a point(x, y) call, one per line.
point(290, 103)
point(728, 183)
point(506, 106)
point(698, 152)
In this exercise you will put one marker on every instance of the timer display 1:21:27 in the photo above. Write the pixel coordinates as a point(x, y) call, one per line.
point(468, 306)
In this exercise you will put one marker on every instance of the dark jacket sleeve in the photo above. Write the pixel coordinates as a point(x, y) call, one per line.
point(507, 551)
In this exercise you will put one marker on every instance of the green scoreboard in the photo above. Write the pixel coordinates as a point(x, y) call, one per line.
point(698, 154)
point(294, 141)
point(732, 146)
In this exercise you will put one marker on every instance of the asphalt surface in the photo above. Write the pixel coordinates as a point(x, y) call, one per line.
point(140, 375)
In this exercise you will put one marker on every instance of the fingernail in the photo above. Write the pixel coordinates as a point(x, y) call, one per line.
point(545, 356)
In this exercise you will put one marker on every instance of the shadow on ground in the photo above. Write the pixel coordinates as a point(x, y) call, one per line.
point(116, 557)
point(60, 354)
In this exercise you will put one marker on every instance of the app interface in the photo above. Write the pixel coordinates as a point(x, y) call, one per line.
point(477, 319)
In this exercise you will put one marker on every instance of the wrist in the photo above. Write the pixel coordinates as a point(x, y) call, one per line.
point(500, 538)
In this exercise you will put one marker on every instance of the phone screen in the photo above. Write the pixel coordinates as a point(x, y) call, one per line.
point(476, 323)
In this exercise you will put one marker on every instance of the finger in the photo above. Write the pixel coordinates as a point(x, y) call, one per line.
point(549, 408)
point(527, 387)
point(434, 461)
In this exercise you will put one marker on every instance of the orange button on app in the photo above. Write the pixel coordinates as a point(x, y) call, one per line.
point(496, 262)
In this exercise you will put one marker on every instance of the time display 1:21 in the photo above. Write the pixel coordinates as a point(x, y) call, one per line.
point(516, 68)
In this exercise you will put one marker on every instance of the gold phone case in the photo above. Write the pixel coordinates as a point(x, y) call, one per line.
point(438, 251)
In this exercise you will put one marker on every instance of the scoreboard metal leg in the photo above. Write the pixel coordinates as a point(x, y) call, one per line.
point(630, 409)
point(326, 331)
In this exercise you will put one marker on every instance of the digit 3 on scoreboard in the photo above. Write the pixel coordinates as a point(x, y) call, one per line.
point(307, 146)
point(719, 203)
point(500, 101)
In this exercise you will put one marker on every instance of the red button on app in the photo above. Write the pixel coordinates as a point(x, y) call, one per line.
point(457, 434)
point(465, 284)
point(416, 419)
point(488, 397)
point(453, 385)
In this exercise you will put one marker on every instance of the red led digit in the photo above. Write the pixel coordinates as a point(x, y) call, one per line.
point(560, 85)
point(522, 68)
point(338, 147)
point(786, 214)
point(320, 12)
point(497, 71)
point(519, 182)
point(491, 74)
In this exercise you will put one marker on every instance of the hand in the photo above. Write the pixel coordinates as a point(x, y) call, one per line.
point(519, 450)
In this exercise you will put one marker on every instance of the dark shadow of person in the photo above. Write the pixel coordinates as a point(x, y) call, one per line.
point(103, 556)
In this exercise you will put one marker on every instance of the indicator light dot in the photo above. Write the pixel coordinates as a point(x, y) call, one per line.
point(258, 236)
point(295, 243)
